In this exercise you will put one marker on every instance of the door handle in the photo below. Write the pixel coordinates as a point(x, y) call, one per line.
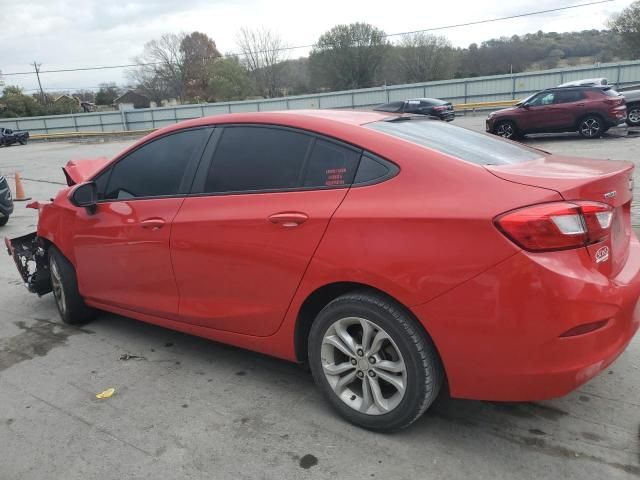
point(288, 219)
point(581, 105)
point(152, 223)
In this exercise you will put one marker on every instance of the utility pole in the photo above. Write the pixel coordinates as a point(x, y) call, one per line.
point(36, 66)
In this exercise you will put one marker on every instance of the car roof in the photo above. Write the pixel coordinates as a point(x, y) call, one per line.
point(598, 88)
point(325, 119)
point(340, 124)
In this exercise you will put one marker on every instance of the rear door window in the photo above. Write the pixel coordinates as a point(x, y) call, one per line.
point(475, 147)
point(255, 158)
point(568, 96)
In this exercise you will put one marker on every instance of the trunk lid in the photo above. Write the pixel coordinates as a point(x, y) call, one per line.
point(605, 181)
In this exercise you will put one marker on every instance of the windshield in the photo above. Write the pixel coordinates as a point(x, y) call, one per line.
point(458, 142)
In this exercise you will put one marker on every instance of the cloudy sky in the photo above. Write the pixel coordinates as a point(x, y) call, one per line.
point(73, 33)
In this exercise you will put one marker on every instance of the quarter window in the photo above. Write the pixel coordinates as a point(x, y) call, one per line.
point(155, 169)
point(331, 165)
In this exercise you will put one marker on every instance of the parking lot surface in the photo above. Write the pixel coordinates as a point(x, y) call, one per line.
point(185, 407)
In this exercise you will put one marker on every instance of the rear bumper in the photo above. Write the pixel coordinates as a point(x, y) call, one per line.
point(499, 334)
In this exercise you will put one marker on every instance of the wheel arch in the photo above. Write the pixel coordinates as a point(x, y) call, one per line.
point(320, 297)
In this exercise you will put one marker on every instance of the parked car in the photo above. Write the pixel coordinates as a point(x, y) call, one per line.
point(631, 97)
point(434, 107)
point(6, 201)
point(391, 253)
point(590, 111)
point(9, 136)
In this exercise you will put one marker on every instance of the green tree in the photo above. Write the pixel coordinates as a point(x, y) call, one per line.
point(17, 104)
point(107, 94)
point(349, 56)
point(229, 80)
point(627, 24)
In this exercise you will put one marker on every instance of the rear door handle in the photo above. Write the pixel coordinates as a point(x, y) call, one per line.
point(581, 104)
point(288, 219)
point(152, 223)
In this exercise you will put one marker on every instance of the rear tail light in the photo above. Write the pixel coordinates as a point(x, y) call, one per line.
point(557, 225)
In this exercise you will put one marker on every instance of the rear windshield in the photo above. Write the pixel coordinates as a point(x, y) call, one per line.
point(464, 144)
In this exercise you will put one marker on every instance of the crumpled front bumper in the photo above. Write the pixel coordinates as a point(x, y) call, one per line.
point(31, 261)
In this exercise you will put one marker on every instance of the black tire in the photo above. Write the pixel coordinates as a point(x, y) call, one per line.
point(591, 126)
point(3, 221)
point(422, 375)
point(70, 304)
point(506, 129)
point(22, 141)
point(633, 115)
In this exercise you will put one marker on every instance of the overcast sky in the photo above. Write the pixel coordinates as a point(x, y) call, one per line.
point(74, 33)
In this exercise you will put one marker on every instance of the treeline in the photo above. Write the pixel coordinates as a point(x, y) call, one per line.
point(190, 67)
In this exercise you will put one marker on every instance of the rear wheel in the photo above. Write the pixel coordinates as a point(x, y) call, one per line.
point(373, 362)
point(591, 126)
point(3, 221)
point(64, 285)
point(506, 129)
point(633, 115)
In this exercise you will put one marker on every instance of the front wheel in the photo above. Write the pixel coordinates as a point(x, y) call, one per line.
point(23, 141)
point(633, 116)
point(506, 129)
point(591, 127)
point(3, 221)
point(64, 285)
point(373, 362)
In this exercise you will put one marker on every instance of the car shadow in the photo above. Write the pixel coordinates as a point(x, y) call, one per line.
point(573, 427)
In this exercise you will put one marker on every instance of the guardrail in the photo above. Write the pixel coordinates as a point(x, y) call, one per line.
point(64, 135)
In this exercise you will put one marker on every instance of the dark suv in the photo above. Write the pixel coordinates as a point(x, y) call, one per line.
point(590, 111)
point(6, 201)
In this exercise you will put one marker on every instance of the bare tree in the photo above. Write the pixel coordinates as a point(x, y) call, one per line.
point(262, 50)
point(425, 57)
point(160, 71)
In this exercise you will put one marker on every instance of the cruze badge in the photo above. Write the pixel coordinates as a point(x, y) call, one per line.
point(602, 254)
point(611, 194)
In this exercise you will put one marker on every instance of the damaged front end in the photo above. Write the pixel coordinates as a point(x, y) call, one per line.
point(31, 260)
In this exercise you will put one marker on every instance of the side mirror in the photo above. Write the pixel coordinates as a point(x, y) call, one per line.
point(85, 195)
point(525, 105)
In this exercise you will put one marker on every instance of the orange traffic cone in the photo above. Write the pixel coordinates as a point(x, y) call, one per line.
point(20, 196)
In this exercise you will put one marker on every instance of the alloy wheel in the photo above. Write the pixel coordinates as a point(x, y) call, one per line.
point(505, 130)
point(363, 366)
point(590, 127)
point(57, 287)
point(634, 115)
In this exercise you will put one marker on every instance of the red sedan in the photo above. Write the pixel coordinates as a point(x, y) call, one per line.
point(392, 253)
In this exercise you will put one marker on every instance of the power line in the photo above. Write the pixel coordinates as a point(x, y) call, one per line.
point(433, 29)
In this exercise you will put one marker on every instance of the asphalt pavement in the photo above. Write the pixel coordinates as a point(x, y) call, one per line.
point(186, 407)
